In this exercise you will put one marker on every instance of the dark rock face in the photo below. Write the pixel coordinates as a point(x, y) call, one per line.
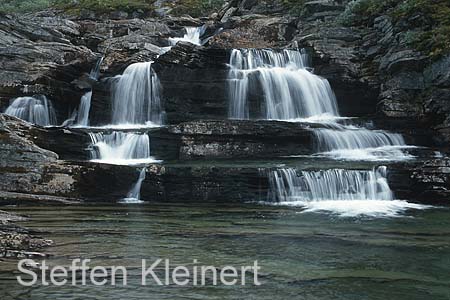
point(194, 83)
point(31, 173)
point(242, 139)
point(204, 184)
point(37, 59)
point(427, 182)
point(370, 69)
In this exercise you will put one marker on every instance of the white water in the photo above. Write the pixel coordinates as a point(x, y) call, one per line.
point(352, 143)
point(134, 195)
point(288, 185)
point(136, 96)
point(37, 110)
point(95, 72)
point(121, 148)
point(290, 91)
point(347, 193)
point(192, 35)
point(83, 110)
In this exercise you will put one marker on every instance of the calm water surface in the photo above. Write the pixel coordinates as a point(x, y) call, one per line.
point(302, 255)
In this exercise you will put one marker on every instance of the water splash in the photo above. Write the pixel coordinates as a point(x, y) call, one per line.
point(121, 148)
point(347, 193)
point(352, 143)
point(37, 110)
point(289, 89)
point(288, 185)
point(136, 96)
point(134, 195)
point(192, 35)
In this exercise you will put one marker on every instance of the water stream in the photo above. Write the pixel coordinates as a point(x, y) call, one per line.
point(37, 110)
point(291, 92)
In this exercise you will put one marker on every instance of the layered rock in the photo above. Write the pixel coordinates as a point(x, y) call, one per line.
point(17, 241)
point(37, 57)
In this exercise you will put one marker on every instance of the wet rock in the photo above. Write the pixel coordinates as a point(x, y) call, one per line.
point(242, 139)
point(41, 60)
point(428, 182)
point(17, 241)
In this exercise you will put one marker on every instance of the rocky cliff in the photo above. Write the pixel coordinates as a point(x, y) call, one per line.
point(375, 74)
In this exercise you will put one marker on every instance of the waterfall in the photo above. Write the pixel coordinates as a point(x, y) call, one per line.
point(134, 195)
point(360, 144)
point(193, 36)
point(346, 193)
point(83, 109)
point(136, 96)
point(37, 110)
point(292, 93)
point(95, 72)
point(289, 89)
point(289, 185)
point(121, 148)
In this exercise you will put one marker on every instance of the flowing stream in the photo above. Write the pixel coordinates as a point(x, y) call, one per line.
point(289, 91)
point(192, 35)
point(37, 110)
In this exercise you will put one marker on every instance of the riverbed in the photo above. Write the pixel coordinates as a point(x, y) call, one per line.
point(303, 255)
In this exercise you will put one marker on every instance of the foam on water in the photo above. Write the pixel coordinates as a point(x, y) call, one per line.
point(379, 154)
point(134, 195)
point(347, 193)
point(359, 208)
point(192, 35)
point(352, 143)
point(121, 148)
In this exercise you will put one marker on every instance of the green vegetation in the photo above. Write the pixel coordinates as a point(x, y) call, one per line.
point(428, 21)
point(295, 6)
point(102, 6)
point(196, 8)
point(20, 6)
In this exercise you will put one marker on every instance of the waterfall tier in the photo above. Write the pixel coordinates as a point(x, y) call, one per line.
point(95, 71)
point(350, 143)
point(83, 109)
point(290, 185)
point(37, 110)
point(192, 35)
point(136, 96)
point(289, 89)
point(121, 148)
point(134, 195)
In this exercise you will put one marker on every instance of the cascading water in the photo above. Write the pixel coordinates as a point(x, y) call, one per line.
point(83, 110)
point(193, 36)
point(347, 193)
point(289, 90)
point(292, 93)
point(134, 195)
point(350, 143)
point(95, 72)
point(121, 148)
point(288, 185)
point(136, 96)
point(37, 110)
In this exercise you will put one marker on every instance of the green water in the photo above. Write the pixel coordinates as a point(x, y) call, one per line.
point(302, 255)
